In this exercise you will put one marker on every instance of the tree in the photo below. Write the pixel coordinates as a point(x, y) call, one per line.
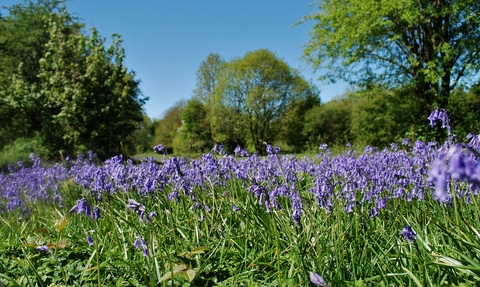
point(197, 115)
point(145, 135)
point(23, 35)
point(380, 117)
point(252, 97)
point(463, 112)
point(167, 127)
point(295, 119)
point(329, 123)
point(434, 45)
point(83, 96)
point(194, 135)
point(207, 78)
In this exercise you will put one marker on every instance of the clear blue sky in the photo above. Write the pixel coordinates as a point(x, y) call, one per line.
point(166, 40)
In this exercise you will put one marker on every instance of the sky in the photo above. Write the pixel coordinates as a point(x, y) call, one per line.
point(166, 40)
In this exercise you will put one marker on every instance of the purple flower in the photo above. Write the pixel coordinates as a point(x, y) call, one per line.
point(218, 148)
point(138, 242)
point(235, 208)
point(89, 240)
point(323, 146)
point(272, 150)
point(237, 150)
point(437, 174)
point(43, 248)
point(317, 280)
point(96, 213)
point(141, 243)
point(91, 155)
point(159, 148)
point(81, 207)
point(134, 205)
point(409, 234)
point(150, 215)
point(349, 208)
point(440, 115)
point(145, 251)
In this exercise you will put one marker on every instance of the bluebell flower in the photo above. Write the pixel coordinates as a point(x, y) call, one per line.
point(138, 242)
point(145, 251)
point(43, 248)
point(89, 240)
point(235, 208)
point(81, 207)
point(159, 148)
point(96, 213)
point(317, 280)
point(408, 234)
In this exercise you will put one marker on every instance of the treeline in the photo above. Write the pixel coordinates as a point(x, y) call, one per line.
point(375, 116)
point(62, 92)
point(404, 58)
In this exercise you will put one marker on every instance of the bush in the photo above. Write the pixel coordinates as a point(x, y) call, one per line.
point(20, 150)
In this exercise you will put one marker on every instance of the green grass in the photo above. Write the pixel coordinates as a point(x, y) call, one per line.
point(249, 247)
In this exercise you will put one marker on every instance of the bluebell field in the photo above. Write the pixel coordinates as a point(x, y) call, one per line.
point(410, 171)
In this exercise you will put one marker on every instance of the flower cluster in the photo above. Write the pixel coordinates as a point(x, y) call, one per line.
point(26, 185)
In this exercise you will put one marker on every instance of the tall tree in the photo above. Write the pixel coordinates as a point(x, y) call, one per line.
point(253, 95)
point(434, 45)
point(23, 37)
point(83, 98)
point(207, 77)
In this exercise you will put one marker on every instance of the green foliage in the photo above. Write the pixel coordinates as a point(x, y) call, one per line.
point(463, 108)
point(295, 119)
point(195, 134)
point(207, 78)
point(330, 123)
point(252, 97)
point(380, 117)
point(431, 44)
point(82, 97)
point(23, 36)
point(20, 150)
point(167, 128)
point(144, 135)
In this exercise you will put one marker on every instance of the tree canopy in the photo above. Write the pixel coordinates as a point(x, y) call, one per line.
point(64, 85)
point(253, 95)
point(433, 46)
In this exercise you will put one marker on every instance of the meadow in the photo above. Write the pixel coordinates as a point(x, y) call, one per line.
point(406, 215)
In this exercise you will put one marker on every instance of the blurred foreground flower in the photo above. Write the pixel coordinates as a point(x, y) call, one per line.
point(43, 248)
point(317, 280)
